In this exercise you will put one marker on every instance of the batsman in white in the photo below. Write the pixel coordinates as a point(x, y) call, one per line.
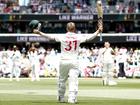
point(70, 43)
point(108, 63)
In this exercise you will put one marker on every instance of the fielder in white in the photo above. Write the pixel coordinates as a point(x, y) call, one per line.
point(69, 63)
point(35, 64)
point(16, 57)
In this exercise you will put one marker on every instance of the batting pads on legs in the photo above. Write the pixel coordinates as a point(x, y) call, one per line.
point(108, 74)
point(15, 71)
point(63, 76)
point(73, 85)
point(65, 72)
point(35, 72)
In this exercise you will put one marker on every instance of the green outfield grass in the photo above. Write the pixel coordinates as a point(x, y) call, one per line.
point(91, 92)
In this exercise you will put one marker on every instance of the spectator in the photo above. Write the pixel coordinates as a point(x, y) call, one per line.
point(122, 58)
point(16, 8)
point(131, 7)
point(120, 28)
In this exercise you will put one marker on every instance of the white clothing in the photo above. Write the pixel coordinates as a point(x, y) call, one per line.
point(107, 56)
point(69, 62)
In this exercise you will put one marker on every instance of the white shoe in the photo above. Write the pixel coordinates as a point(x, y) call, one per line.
point(124, 77)
point(111, 83)
point(105, 82)
point(32, 79)
point(72, 101)
point(121, 77)
point(17, 79)
point(61, 99)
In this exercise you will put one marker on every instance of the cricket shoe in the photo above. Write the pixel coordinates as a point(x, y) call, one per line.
point(61, 99)
point(72, 101)
point(105, 82)
point(111, 83)
point(121, 77)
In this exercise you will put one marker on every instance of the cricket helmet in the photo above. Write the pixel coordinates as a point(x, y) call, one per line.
point(34, 24)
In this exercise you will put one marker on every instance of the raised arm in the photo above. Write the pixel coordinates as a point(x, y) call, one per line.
point(51, 37)
point(92, 36)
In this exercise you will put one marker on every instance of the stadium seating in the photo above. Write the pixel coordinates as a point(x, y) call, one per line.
point(71, 6)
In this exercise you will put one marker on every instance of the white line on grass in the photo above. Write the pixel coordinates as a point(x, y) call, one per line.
point(106, 93)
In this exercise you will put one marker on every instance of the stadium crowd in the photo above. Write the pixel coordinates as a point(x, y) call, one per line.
point(23, 27)
point(48, 60)
point(68, 6)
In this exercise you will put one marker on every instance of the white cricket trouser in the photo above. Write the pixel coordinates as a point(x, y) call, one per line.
point(35, 72)
point(15, 71)
point(107, 71)
point(68, 69)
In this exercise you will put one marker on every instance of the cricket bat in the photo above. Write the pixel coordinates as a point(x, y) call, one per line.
point(100, 15)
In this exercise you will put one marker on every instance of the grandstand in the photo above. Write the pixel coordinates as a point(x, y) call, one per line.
point(70, 6)
point(19, 8)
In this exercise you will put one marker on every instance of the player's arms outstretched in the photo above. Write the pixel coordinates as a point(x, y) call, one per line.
point(92, 36)
point(51, 37)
